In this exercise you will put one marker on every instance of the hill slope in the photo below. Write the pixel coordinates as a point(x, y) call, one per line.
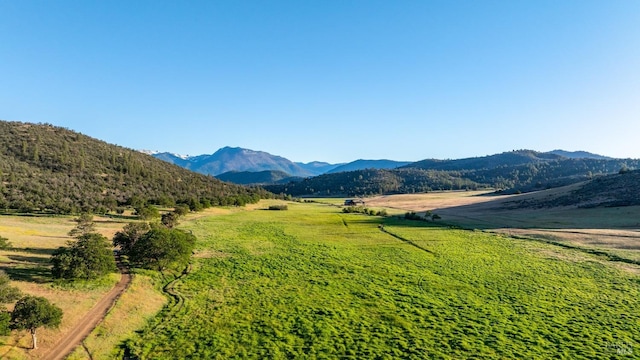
point(48, 168)
point(512, 158)
point(579, 155)
point(375, 182)
point(256, 178)
point(605, 191)
point(235, 159)
point(518, 171)
point(368, 164)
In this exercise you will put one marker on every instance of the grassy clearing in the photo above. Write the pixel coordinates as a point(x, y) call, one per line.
point(312, 282)
point(34, 238)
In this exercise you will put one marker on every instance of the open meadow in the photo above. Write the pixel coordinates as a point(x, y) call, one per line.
point(615, 230)
point(312, 282)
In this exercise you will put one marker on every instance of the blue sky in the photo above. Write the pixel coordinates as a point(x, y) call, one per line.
point(329, 80)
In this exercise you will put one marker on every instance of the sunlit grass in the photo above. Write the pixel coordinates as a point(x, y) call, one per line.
point(313, 282)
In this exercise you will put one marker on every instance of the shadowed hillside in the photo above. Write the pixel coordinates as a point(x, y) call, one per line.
point(255, 178)
point(374, 182)
point(52, 169)
point(607, 191)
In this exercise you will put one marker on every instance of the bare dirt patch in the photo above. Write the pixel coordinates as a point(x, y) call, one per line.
point(430, 201)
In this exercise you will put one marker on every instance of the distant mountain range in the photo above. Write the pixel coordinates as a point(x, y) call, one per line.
point(239, 159)
point(244, 166)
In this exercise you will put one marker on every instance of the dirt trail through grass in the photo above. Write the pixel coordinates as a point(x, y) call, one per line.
point(76, 335)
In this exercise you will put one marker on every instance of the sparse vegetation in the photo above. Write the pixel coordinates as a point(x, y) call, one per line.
point(5, 244)
point(85, 225)
point(364, 210)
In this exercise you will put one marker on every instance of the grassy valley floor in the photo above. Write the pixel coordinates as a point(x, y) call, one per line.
point(314, 283)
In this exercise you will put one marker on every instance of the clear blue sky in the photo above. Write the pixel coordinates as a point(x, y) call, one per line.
point(329, 80)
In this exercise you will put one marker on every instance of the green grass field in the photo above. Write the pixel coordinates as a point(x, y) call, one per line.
point(314, 283)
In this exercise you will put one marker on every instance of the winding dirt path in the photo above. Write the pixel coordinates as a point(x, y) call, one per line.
point(89, 322)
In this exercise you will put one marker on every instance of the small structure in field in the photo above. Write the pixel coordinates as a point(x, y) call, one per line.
point(354, 202)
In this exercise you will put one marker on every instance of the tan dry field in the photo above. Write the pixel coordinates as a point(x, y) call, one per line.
point(616, 230)
point(34, 238)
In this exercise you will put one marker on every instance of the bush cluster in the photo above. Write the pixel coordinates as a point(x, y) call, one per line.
point(278, 207)
point(364, 210)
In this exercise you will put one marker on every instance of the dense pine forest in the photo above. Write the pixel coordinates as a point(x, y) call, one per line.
point(44, 168)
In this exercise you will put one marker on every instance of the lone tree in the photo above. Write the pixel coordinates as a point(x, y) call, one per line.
point(163, 248)
point(87, 258)
point(130, 234)
point(32, 312)
point(85, 225)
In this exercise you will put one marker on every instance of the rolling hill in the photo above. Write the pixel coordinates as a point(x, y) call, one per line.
point(374, 182)
point(517, 171)
point(511, 158)
point(579, 155)
point(621, 189)
point(368, 164)
point(52, 169)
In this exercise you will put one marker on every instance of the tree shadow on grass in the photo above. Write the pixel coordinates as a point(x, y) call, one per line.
point(34, 274)
point(31, 260)
point(35, 251)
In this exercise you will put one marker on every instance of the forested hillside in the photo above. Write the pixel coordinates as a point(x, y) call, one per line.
point(52, 169)
point(257, 178)
point(621, 189)
point(518, 171)
point(374, 182)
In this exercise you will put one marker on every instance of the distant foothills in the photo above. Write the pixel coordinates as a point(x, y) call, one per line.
point(508, 172)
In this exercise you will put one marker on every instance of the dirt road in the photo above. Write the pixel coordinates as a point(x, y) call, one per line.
point(75, 336)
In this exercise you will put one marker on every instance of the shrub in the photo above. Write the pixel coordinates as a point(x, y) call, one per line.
point(278, 207)
point(412, 216)
point(5, 244)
